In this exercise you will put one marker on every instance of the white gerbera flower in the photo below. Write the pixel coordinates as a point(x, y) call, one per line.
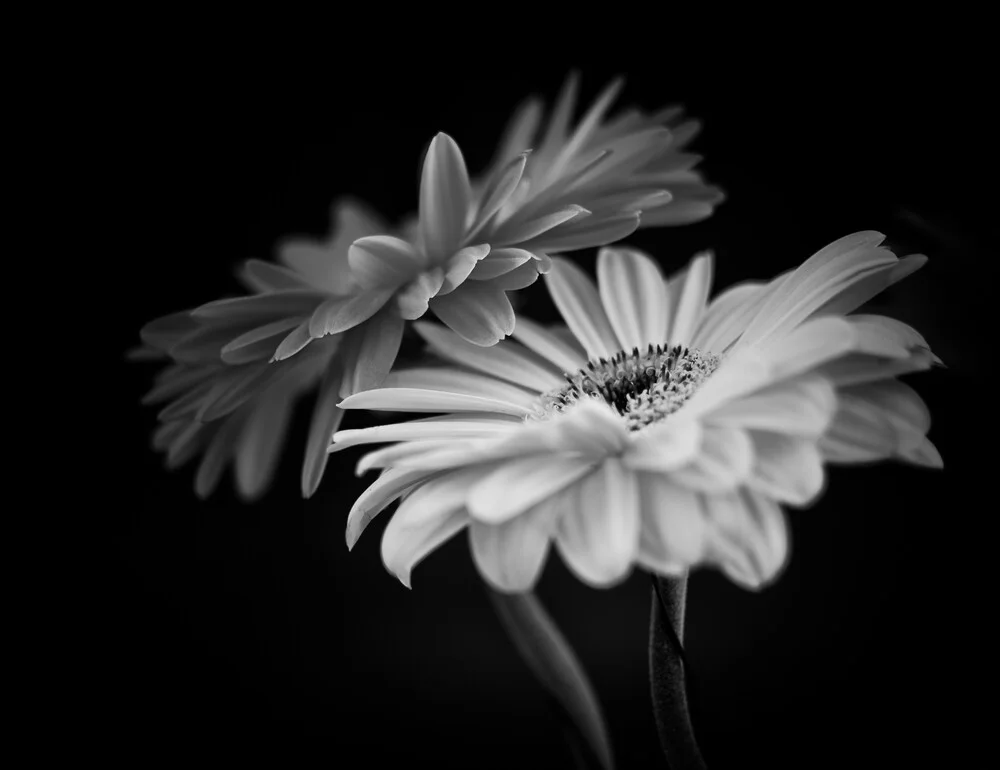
point(663, 431)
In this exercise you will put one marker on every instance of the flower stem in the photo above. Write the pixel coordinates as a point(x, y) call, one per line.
point(556, 667)
point(667, 677)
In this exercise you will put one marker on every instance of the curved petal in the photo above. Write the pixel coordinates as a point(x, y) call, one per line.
point(580, 305)
point(506, 360)
point(673, 525)
point(634, 296)
point(598, 536)
point(379, 261)
point(520, 484)
point(723, 462)
point(511, 555)
point(801, 407)
point(422, 400)
point(560, 352)
point(477, 312)
point(692, 300)
point(748, 537)
point(369, 351)
point(445, 196)
point(461, 265)
point(786, 468)
point(387, 488)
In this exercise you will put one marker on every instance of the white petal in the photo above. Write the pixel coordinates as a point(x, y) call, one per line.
point(403, 547)
point(786, 468)
point(325, 420)
point(461, 265)
point(858, 368)
point(724, 461)
point(500, 188)
point(691, 303)
point(673, 525)
point(565, 356)
point(369, 351)
point(584, 233)
point(820, 279)
point(634, 296)
point(387, 488)
point(855, 293)
point(414, 298)
point(518, 485)
point(808, 346)
point(478, 312)
point(445, 196)
point(664, 446)
point(511, 555)
point(726, 317)
point(520, 231)
point(600, 538)
point(379, 261)
point(449, 426)
point(261, 440)
point(518, 278)
point(801, 407)
point(748, 537)
point(260, 342)
point(581, 307)
point(460, 381)
point(590, 429)
point(505, 360)
point(338, 314)
point(421, 400)
point(499, 262)
point(860, 432)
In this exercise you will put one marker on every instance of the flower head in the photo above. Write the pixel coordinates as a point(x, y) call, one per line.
point(659, 429)
point(231, 382)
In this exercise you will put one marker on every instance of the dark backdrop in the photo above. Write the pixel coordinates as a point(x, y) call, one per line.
point(228, 631)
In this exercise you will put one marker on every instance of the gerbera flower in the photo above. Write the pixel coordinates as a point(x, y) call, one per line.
point(227, 400)
point(663, 430)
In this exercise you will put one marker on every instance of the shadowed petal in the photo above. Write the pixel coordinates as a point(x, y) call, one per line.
point(477, 312)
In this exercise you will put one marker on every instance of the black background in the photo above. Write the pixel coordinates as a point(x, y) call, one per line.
point(226, 631)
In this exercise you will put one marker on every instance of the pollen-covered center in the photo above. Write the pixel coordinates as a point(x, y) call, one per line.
point(642, 387)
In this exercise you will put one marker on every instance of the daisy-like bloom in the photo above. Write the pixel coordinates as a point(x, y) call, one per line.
point(660, 429)
point(228, 400)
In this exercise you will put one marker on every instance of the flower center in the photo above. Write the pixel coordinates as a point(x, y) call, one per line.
point(642, 387)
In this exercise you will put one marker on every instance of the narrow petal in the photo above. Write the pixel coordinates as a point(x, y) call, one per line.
point(506, 360)
point(580, 305)
point(516, 279)
point(723, 321)
point(338, 314)
point(477, 312)
point(262, 439)
point(165, 332)
point(519, 231)
point(262, 277)
point(860, 432)
point(518, 485)
point(445, 196)
point(260, 342)
point(390, 485)
point(325, 420)
point(498, 262)
point(454, 380)
point(585, 233)
point(598, 536)
point(634, 296)
point(419, 400)
point(446, 427)
point(261, 308)
point(296, 340)
point(564, 356)
point(218, 452)
point(369, 351)
point(404, 546)
point(498, 192)
point(857, 368)
point(692, 300)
